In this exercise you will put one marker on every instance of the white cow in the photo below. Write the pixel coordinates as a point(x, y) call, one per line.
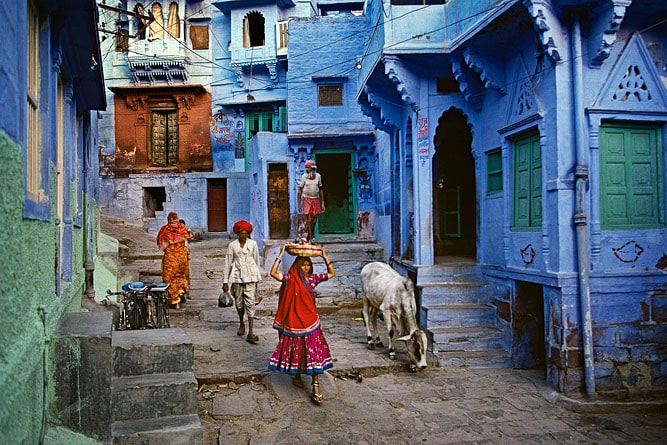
point(386, 291)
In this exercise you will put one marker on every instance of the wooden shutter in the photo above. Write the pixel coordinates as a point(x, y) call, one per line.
point(282, 119)
point(281, 38)
point(494, 172)
point(535, 183)
point(630, 180)
point(527, 183)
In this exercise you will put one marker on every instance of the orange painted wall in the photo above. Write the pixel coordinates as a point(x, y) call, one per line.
point(132, 123)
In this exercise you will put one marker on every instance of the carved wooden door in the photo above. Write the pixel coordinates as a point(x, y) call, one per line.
point(278, 200)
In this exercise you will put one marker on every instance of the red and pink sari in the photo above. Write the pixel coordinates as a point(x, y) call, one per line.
point(302, 347)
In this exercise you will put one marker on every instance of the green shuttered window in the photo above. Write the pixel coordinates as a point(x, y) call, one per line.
point(494, 172)
point(631, 177)
point(527, 155)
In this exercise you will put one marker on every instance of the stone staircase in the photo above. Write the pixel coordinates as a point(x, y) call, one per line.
point(125, 387)
point(461, 323)
point(153, 388)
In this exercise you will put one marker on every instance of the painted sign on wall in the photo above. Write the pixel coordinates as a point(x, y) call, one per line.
point(422, 140)
point(227, 137)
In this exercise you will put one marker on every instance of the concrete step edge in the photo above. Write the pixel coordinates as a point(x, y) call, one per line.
point(167, 424)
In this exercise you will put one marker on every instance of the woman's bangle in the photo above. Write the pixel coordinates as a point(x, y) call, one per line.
point(278, 260)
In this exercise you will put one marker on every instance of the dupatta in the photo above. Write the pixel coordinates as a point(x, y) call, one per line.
point(297, 314)
point(172, 233)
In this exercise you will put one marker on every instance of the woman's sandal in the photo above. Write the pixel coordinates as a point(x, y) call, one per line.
point(296, 381)
point(317, 398)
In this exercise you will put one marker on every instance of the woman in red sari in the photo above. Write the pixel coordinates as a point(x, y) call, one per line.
point(302, 347)
point(175, 268)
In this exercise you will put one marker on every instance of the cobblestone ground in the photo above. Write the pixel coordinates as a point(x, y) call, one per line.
point(370, 399)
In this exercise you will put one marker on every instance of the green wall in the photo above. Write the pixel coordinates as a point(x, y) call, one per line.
point(31, 310)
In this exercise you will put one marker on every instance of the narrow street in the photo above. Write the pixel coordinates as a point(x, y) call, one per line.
point(369, 399)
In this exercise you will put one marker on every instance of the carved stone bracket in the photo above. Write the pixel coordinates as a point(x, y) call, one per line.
point(238, 70)
point(136, 102)
point(488, 74)
point(273, 71)
point(301, 152)
point(68, 91)
point(56, 59)
point(617, 12)
point(471, 96)
point(392, 68)
point(184, 100)
point(373, 110)
point(546, 24)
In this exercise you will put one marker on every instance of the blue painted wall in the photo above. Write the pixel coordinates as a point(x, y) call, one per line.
point(36, 295)
point(503, 90)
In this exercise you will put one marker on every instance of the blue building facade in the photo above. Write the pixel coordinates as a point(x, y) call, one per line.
point(285, 94)
point(53, 88)
point(530, 138)
point(523, 137)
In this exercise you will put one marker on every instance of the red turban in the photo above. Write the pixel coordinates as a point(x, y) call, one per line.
point(311, 164)
point(242, 226)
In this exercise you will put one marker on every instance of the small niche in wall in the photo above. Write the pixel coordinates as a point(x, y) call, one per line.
point(154, 198)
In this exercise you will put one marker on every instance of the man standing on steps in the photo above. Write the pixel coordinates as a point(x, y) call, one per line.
point(242, 271)
point(310, 197)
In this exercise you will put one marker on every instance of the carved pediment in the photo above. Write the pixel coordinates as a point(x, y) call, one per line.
point(523, 102)
point(634, 83)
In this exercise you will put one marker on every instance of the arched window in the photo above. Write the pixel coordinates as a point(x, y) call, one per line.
point(253, 30)
point(140, 24)
point(156, 28)
point(173, 22)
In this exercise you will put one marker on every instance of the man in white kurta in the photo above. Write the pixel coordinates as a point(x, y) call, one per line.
point(310, 197)
point(243, 273)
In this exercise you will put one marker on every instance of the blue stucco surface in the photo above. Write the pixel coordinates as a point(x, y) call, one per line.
point(46, 237)
point(564, 94)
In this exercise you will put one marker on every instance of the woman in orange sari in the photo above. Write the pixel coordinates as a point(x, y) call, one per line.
point(175, 268)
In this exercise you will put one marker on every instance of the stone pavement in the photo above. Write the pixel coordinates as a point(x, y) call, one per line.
point(370, 399)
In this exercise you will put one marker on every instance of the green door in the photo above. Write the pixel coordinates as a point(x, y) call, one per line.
point(338, 185)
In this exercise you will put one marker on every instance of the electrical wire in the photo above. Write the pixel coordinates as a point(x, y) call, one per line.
point(292, 85)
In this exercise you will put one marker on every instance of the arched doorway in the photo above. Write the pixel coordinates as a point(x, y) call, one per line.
point(454, 191)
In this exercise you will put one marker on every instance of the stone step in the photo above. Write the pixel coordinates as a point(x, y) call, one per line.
point(461, 271)
point(474, 359)
point(149, 351)
point(454, 292)
point(153, 395)
point(457, 315)
point(466, 339)
point(185, 429)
